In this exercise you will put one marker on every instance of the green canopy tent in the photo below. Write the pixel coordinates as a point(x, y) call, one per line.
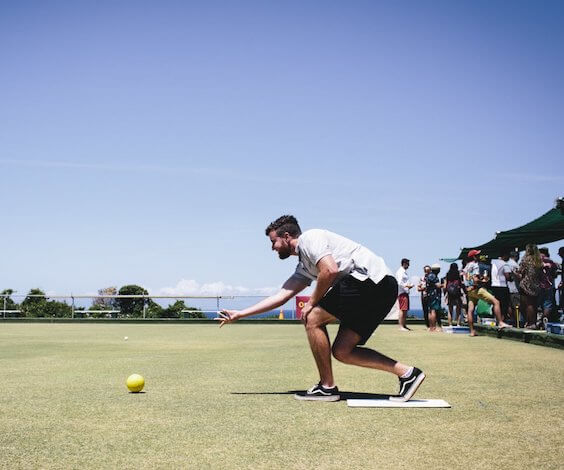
point(547, 228)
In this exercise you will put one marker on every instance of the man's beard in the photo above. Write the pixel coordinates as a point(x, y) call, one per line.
point(284, 254)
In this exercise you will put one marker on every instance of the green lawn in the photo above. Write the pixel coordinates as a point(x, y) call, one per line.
point(220, 399)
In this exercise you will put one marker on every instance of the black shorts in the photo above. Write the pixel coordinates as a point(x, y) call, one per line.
point(361, 305)
point(502, 294)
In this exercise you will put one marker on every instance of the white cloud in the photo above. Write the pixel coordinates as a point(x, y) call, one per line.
point(190, 287)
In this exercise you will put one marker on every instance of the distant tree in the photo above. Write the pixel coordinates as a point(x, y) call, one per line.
point(154, 310)
point(53, 308)
point(193, 312)
point(99, 310)
point(7, 292)
point(102, 303)
point(132, 307)
point(177, 310)
point(34, 306)
point(7, 302)
point(79, 312)
point(174, 310)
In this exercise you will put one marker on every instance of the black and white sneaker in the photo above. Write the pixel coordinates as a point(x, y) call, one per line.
point(319, 393)
point(409, 385)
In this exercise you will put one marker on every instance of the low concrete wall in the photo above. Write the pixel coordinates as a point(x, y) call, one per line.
point(540, 338)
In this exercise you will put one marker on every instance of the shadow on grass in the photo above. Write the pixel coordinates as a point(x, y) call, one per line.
point(344, 395)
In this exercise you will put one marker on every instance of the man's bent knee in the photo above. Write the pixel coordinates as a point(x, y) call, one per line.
point(318, 317)
point(341, 353)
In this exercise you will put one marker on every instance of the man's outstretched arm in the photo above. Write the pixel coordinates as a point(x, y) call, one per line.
point(290, 288)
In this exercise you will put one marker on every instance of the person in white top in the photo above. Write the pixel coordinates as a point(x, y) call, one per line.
point(353, 285)
point(404, 287)
point(501, 275)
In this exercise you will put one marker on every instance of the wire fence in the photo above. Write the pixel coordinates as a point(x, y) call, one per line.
point(108, 306)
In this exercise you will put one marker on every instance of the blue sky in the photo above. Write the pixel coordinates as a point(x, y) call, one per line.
point(152, 142)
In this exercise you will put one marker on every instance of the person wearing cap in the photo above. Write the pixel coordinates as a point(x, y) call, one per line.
point(403, 293)
point(475, 290)
point(433, 288)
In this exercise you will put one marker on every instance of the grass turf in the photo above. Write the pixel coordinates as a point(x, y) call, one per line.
point(221, 399)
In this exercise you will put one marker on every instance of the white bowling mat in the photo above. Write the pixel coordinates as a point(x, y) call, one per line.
point(398, 404)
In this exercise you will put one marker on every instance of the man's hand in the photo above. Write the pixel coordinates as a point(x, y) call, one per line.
point(305, 311)
point(227, 316)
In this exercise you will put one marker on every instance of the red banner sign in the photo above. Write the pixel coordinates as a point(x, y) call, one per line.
point(301, 300)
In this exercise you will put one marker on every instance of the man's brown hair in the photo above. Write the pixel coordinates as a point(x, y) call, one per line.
point(285, 223)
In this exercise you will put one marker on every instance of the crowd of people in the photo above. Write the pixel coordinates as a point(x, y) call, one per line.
point(520, 293)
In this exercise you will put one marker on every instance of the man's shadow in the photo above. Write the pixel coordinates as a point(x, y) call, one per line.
point(344, 395)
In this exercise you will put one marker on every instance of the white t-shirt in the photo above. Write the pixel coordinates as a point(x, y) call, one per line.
point(351, 257)
point(470, 270)
point(403, 280)
point(499, 268)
